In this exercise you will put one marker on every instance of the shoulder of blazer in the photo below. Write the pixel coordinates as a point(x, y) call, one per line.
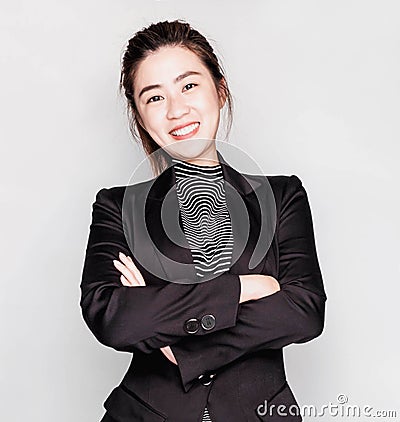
point(116, 193)
point(282, 182)
point(284, 189)
point(281, 186)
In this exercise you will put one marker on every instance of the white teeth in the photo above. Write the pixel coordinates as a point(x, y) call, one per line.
point(185, 130)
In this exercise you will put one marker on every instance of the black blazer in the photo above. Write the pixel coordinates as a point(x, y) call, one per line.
point(229, 355)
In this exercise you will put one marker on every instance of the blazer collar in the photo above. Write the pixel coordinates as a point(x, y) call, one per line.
point(245, 185)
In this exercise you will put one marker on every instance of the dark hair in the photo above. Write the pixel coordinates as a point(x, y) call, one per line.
point(150, 39)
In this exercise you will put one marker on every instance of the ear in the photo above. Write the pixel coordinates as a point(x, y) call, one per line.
point(222, 90)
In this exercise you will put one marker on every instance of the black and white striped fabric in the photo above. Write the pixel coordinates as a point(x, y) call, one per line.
point(206, 416)
point(205, 216)
point(206, 220)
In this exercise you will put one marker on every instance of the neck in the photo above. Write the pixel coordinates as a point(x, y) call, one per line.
point(207, 159)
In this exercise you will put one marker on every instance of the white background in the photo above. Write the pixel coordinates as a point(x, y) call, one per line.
point(316, 90)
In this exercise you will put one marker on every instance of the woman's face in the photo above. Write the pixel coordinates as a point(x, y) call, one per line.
point(176, 97)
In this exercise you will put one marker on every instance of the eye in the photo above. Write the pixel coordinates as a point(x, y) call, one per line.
point(191, 85)
point(154, 99)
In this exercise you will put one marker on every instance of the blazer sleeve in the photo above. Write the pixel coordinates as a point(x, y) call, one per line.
point(143, 318)
point(295, 314)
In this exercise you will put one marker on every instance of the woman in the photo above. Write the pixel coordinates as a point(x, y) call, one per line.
point(207, 337)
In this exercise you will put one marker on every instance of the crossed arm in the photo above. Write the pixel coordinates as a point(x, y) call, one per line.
point(294, 314)
point(147, 318)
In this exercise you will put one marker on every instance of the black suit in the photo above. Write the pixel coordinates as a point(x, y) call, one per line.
point(239, 345)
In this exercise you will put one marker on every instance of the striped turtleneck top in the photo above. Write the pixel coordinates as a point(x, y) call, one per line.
point(206, 220)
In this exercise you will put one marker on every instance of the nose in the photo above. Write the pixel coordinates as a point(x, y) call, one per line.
point(177, 107)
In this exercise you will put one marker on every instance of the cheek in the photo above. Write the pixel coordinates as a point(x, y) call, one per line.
point(151, 120)
point(213, 101)
point(157, 129)
point(209, 106)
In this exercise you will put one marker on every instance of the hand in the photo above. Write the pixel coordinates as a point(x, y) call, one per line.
point(256, 286)
point(132, 277)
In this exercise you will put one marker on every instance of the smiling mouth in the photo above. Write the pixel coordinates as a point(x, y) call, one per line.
point(185, 132)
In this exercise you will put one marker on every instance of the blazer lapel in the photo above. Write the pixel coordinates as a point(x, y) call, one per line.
point(252, 208)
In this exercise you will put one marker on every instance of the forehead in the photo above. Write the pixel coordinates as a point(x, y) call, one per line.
point(165, 64)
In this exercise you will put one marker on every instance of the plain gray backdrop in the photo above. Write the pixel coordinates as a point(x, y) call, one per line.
point(316, 90)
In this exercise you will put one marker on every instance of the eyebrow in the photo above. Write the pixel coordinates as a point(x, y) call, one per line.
point(177, 79)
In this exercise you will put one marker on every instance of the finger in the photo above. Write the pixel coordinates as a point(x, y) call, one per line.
point(137, 273)
point(127, 260)
point(125, 282)
point(126, 272)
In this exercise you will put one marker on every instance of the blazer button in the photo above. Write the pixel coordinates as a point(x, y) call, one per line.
point(208, 322)
point(191, 326)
